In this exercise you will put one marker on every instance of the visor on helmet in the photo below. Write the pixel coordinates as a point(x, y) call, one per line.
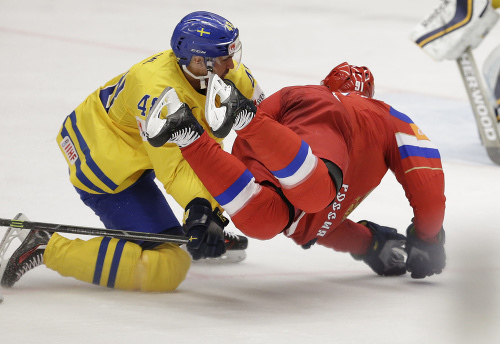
point(235, 52)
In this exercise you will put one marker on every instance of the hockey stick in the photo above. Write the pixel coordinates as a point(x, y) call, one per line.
point(483, 111)
point(115, 233)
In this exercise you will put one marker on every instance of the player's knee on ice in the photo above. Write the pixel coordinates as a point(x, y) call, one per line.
point(118, 264)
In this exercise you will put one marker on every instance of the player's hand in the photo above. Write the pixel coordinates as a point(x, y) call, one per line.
point(206, 242)
point(424, 258)
point(204, 230)
point(385, 253)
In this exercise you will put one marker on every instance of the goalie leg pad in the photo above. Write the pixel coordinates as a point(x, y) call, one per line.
point(118, 264)
point(453, 27)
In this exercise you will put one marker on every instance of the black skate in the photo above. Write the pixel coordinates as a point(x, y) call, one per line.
point(235, 111)
point(27, 256)
point(235, 250)
point(9, 236)
point(179, 125)
point(234, 242)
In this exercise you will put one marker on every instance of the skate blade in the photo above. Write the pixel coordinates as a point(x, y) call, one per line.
point(9, 236)
point(213, 114)
point(229, 257)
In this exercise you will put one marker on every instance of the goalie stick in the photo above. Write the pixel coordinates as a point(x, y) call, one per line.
point(481, 106)
point(115, 233)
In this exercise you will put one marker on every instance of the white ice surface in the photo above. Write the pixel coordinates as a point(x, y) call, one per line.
point(53, 53)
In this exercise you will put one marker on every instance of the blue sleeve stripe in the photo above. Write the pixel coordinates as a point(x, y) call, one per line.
point(78, 165)
point(88, 158)
point(234, 189)
point(409, 151)
point(104, 95)
point(401, 116)
point(296, 163)
point(101, 255)
point(116, 262)
point(119, 87)
point(460, 19)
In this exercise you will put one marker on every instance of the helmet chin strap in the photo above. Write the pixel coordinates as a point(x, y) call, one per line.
point(203, 78)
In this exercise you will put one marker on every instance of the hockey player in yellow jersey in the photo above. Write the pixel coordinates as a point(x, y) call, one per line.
point(112, 167)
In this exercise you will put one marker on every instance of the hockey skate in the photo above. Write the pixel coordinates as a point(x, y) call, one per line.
point(235, 247)
point(179, 125)
point(235, 250)
point(27, 256)
point(11, 234)
point(235, 111)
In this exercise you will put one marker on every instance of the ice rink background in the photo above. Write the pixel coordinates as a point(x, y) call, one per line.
point(53, 53)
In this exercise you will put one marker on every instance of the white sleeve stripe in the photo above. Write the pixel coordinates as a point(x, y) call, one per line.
point(242, 198)
point(411, 140)
point(302, 173)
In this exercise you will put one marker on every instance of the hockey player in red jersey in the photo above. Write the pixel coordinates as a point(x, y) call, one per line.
point(307, 156)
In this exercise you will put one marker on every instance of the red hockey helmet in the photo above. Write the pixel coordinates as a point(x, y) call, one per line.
point(346, 78)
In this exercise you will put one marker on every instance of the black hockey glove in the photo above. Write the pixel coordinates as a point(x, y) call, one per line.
point(204, 229)
point(424, 258)
point(385, 253)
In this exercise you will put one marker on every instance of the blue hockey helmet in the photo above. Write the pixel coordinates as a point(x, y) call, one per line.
point(205, 34)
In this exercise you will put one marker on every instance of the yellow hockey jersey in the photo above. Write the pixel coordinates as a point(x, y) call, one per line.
point(104, 142)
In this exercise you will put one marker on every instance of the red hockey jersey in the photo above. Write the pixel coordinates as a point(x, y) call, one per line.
point(365, 138)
